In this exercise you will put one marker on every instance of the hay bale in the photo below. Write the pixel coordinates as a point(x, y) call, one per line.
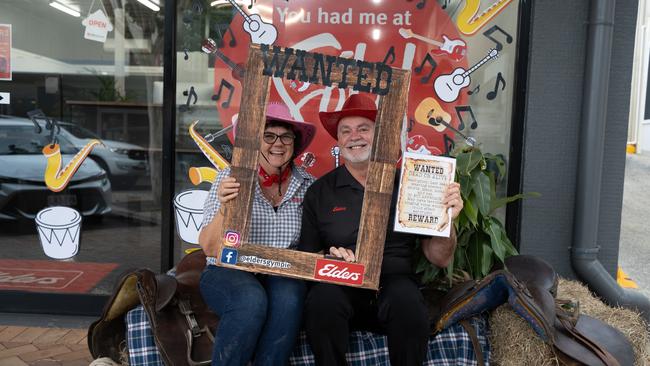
point(515, 343)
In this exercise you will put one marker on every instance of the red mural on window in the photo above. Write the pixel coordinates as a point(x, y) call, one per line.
point(398, 33)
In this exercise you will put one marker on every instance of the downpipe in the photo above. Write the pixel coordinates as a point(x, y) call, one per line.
point(584, 253)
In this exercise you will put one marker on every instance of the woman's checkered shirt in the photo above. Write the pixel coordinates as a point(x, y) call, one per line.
point(279, 229)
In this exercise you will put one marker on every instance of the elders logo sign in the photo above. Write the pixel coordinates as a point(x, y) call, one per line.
point(338, 271)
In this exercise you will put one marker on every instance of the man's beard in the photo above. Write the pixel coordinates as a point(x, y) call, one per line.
point(355, 158)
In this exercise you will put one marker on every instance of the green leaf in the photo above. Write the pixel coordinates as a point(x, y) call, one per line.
point(505, 200)
point(487, 260)
point(481, 187)
point(479, 256)
point(510, 249)
point(460, 256)
point(469, 210)
point(465, 185)
point(430, 273)
point(422, 265)
point(466, 162)
point(495, 231)
point(496, 164)
point(462, 219)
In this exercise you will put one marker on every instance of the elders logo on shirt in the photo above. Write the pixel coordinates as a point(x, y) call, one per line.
point(339, 271)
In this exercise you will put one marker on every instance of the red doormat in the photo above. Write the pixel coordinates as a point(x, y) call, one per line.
point(52, 276)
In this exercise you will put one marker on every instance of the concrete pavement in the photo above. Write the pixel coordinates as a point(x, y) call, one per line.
point(634, 251)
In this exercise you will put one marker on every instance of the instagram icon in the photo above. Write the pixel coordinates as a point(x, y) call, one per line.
point(232, 239)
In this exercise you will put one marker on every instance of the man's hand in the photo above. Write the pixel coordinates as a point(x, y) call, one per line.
point(453, 199)
point(343, 253)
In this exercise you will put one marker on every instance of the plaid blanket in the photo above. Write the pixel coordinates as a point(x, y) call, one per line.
point(450, 347)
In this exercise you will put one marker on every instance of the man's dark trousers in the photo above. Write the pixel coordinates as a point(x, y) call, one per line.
point(398, 310)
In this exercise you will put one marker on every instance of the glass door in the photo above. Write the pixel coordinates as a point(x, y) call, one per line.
point(80, 149)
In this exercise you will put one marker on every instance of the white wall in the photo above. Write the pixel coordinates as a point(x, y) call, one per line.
point(639, 127)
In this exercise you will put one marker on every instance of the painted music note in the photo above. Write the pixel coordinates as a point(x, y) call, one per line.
point(191, 94)
point(449, 144)
point(493, 94)
point(231, 90)
point(496, 28)
point(421, 4)
point(474, 91)
point(454, 48)
point(260, 31)
point(432, 62)
point(461, 123)
point(469, 22)
point(448, 86)
point(220, 40)
point(186, 57)
point(391, 54)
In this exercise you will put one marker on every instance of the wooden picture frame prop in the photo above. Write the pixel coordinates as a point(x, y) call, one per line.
point(234, 250)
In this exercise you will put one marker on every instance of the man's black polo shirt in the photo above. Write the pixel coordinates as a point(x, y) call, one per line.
point(330, 217)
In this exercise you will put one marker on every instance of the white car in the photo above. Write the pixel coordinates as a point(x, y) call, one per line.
point(123, 162)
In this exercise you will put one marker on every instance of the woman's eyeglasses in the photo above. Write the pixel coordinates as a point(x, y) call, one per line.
point(286, 139)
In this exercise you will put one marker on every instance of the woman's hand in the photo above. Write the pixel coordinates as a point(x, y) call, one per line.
point(228, 189)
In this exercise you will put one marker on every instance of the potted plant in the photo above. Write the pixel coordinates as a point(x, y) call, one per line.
point(482, 239)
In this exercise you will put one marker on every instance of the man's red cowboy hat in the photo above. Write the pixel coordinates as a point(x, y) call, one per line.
point(355, 105)
point(276, 111)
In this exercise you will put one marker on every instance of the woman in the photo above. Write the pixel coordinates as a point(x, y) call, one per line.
point(259, 314)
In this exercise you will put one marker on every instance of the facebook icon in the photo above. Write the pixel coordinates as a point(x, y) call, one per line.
point(229, 256)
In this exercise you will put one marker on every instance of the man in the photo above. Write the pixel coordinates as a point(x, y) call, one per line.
point(330, 223)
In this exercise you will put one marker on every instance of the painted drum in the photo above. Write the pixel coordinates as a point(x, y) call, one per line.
point(59, 228)
point(189, 214)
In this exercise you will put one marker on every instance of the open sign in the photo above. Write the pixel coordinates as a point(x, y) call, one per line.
point(97, 26)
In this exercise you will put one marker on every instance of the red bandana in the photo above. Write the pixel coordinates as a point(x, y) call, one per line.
point(269, 179)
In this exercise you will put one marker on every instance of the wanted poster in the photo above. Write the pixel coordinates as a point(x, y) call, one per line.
point(422, 185)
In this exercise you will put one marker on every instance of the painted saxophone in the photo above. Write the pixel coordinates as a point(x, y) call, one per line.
point(469, 23)
point(205, 174)
point(56, 179)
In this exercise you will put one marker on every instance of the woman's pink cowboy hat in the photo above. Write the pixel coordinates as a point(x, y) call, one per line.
point(306, 131)
point(355, 105)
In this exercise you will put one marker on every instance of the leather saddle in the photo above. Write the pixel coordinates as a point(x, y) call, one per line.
point(181, 323)
point(529, 285)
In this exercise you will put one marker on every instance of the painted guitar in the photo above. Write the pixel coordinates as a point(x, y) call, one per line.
point(448, 86)
point(429, 111)
point(210, 46)
point(456, 48)
point(260, 31)
point(469, 23)
point(56, 179)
